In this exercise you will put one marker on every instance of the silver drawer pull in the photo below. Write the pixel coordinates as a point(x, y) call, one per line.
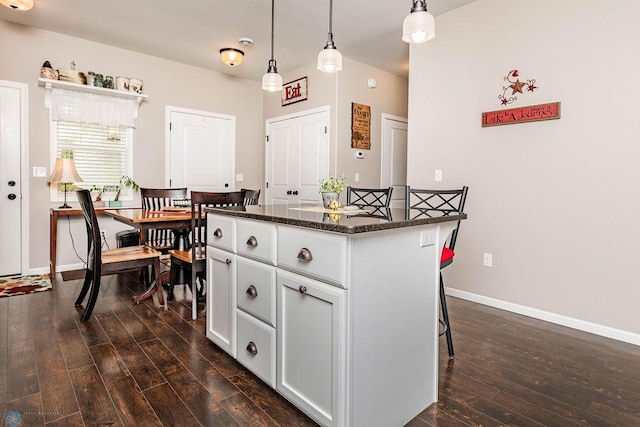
point(305, 254)
point(217, 233)
point(302, 289)
point(252, 348)
point(252, 241)
point(252, 291)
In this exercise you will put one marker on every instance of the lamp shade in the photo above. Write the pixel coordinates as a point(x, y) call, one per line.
point(65, 172)
point(329, 60)
point(17, 4)
point(272, 81)
point(231, 56)
point(418, 27)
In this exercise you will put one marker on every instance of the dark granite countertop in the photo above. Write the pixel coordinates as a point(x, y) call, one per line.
point(346, 223)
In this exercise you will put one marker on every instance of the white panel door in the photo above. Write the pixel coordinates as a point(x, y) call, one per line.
point(394, 157)
point(297, 156)
point(10, 182)
point(201, 151)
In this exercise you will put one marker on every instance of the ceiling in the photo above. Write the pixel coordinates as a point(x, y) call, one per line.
point(368, 31)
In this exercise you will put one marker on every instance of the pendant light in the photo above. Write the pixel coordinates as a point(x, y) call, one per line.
point(272, 81)
point(419, 26)
point(330, 58)
point(17, 4)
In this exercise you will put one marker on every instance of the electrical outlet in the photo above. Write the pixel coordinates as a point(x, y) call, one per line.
point(488, 260)
point(438, 175)
point(427, 238)
point(356, 178)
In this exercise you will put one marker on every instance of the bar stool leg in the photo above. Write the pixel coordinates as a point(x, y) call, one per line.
point(445, 318)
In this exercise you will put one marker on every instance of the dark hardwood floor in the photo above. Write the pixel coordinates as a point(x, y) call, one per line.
point(138, 366)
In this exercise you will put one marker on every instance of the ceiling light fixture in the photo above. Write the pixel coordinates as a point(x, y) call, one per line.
point(419, 26)
point(330, 58)
point(272, 81)
point(231, 56)
point(17, 4)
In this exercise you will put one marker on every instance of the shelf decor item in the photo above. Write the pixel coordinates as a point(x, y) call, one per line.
point(330, 190)
point(125, 181)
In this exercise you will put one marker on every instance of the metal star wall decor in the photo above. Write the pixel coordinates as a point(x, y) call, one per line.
point(516, 86)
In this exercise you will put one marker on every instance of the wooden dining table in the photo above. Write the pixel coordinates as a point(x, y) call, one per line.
point(177, 220)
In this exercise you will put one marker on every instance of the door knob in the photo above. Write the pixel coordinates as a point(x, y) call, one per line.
point(11, 196)
point(289, 192)
point(226, 185)
point(295, 192)
point(11, 183)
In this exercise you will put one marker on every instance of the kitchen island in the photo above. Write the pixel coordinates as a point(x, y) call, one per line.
point(338, 312)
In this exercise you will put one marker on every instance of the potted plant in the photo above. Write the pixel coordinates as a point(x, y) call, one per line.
point(99, 190)
point(125, 181)
point(331, 189)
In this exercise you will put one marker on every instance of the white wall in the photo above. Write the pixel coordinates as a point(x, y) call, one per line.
point(24, 49)
point(557, 203)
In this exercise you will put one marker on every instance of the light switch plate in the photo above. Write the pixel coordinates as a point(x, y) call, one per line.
point(39, 171)
point(239, 177)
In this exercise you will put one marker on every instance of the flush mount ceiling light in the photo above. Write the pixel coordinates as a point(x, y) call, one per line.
point(272, 81)
point(230, 56)
point(330, 58)
point(17, 4)
point(419, 26)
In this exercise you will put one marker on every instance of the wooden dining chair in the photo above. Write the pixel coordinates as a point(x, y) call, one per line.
point(433, 203)
point(250, 196)
point(377, 200)
point(193, 261)
point(111, 261)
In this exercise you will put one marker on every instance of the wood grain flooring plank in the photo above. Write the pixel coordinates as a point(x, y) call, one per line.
point(73, 420)
point(221, 360)
point(134, 326)
point(138, 364)
point(204, 407)
point(133, 408)
point(4, 320)
point(170, 409)
point(465, 413)
point(217, 384)
point(277, 407)
point(245, 412)
point(22, 374)
point(432, 416)
point(93, 398)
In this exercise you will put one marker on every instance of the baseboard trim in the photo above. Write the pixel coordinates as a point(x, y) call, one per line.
point(594, 328)
point(59, 268)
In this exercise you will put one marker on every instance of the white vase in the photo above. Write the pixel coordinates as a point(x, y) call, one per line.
point(328, 197)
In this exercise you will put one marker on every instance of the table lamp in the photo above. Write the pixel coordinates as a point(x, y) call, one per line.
point(65, 173)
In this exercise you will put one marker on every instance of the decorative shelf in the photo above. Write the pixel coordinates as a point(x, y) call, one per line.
point(48, 84)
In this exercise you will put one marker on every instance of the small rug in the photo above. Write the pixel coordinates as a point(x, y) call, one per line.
point(20, 285)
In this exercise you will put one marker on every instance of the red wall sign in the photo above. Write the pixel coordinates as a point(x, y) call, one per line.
point(532, 113)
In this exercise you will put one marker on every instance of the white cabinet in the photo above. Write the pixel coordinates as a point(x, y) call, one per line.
point(311, 346)
point(221, 299)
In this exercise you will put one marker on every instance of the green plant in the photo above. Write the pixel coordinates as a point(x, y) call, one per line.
point(333, 185)
point(126, 181)
point(98, 189)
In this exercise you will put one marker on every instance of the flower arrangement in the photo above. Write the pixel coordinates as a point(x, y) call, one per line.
point(333, 185)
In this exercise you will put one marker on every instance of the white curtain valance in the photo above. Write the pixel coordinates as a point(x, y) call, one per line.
point(75, 106)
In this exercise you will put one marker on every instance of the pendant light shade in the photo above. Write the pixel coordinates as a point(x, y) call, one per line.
point(419, 26)
point(272, 81)
point(330, 58)
point(17, 4)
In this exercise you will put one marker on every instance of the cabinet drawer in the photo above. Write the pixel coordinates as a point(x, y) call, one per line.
point(221, 232)
point(317, 254)
point(257, 348)
point(257, 289)
point(257, 240)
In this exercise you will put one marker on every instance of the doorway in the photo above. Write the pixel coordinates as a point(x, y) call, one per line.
point(13, 212)
point(296, 157)
point(393, 172)
point(201, 150)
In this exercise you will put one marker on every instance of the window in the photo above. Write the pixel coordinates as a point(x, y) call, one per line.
point(102, 154)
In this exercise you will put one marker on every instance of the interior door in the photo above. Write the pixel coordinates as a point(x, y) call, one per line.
point(394, 157)
point(10, 180)
point(297, 156)
point(201, 154)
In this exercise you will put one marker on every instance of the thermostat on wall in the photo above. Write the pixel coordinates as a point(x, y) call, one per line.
point(359, 154)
